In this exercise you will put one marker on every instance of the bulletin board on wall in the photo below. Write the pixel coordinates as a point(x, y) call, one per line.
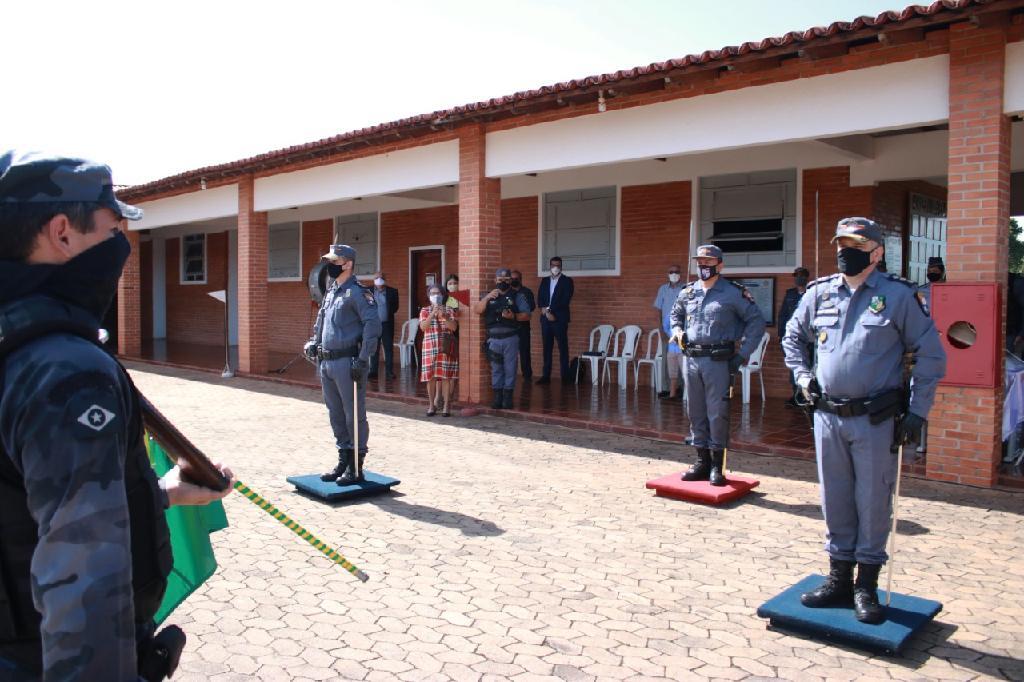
point(763, 291)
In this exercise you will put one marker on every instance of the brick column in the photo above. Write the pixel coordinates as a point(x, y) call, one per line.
point(479, 257)
point(964, 436)
point(129, 300)
point(252, 282)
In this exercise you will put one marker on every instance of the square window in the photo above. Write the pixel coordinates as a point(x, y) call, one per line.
point(360, 232)
point(193, 259)
point(284, 251)
point(581, 227)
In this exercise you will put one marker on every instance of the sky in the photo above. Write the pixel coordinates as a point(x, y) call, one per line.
point(158, 88)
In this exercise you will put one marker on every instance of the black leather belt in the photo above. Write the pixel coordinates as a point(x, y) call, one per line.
point(718, 351)
point(335, 354)
point(502, 334)
point(883, 405)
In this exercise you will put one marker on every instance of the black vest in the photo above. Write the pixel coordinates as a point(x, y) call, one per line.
point(20, 322)
point(493, 320)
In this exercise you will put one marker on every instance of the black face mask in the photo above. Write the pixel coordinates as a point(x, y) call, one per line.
point(801, 281)
point(934, 276)
point(503, 286)
point(517, 283)
point(90, 278)
point(706, 272)
point(852, 261)
point(334, 270)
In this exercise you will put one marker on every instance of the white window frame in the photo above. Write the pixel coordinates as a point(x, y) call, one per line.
point(334, 240)
point(300, 278)
point(543, 269)
point(747, 270)
point(181, 259)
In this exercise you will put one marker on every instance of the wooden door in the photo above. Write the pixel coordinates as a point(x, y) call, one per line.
point(426, 269)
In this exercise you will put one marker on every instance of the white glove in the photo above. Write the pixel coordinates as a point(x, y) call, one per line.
point(804, 383)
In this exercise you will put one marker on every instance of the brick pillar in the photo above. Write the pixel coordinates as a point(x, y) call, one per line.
point(252, 282)
point(129, 300)
point(964, 435)
point(479, 257)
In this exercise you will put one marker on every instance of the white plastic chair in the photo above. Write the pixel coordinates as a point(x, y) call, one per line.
point(624, 352)
point(407, 342)
point(754, 364)
point(600, 339)
point(647, 359)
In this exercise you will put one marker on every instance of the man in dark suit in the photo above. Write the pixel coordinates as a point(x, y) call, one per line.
point(525, 363)
point(387, 308)
point(553, 298)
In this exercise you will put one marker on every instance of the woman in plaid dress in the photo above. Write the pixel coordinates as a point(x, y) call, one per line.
point(439, 323)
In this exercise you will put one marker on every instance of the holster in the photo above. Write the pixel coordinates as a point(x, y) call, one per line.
point(884, 406)
point(158, 656)
point(492, 356)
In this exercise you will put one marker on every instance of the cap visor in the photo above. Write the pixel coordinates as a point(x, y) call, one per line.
point(856, 237)
point(330, 255)
point(129, 212)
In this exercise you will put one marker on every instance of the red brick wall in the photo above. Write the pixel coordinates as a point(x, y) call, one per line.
point(192, 315)
point(253, 315)
point(290, 310)
point(146, 288)
point(129, 317)
point(401, 230)
point(964, 438)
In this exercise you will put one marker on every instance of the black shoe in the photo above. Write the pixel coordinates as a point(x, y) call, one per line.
point(568, 380)
point(837, 590)
point(527, 377)
point(663, 394)
point(865, 595)
point(702, 469)
point(543, 380)
point(339, 469)
point(506, 400)
point(716, 476)
point(498, 400)
point(371, 375)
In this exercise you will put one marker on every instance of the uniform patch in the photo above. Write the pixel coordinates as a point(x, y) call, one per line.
point(877, 304)
point(924, 303)
point(747, 295)
point(822, 336)
point(96, 417)
point(689, 293)
point(370, 300)
point(824, 296)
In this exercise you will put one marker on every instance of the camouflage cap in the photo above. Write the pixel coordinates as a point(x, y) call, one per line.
point(340, 251)
point(861, 229)
point(708, 251)
point(35, 178)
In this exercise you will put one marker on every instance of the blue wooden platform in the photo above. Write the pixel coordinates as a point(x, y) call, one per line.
point(904, 617)
point(375, 484)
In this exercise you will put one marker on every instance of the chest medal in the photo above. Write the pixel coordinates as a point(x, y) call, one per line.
point(877, 304)
point(822, 336)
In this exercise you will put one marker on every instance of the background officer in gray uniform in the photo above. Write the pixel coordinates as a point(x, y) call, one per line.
point(709, 318)
point(345, 334)
point(861, 322)
point(84, 547)
point(503, 309)
point(936, 273)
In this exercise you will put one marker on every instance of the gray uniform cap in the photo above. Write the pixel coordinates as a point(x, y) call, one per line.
point(861, 229)
point(708, 251)
point(35, 178)
point(340, 251)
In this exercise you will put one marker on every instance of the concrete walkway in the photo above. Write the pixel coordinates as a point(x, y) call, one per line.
point(520, 551)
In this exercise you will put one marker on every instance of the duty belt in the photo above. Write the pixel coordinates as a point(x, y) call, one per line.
point(322, 354)
point(502, 333)
point(719, 351)
point(883, 405)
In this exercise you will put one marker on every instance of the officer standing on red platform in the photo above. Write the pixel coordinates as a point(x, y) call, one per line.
point(861, 323)
point(710, 319)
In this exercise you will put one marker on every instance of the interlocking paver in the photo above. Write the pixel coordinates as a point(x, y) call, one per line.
point(521, 551)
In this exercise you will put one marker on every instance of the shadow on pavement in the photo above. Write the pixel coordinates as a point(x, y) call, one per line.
point(465, 524)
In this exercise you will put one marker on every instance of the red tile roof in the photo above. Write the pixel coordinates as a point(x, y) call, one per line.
point(952, 9)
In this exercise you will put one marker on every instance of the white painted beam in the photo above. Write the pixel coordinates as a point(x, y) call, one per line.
point(207, 204)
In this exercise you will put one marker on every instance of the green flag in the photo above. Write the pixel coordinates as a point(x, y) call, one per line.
point(190, 539)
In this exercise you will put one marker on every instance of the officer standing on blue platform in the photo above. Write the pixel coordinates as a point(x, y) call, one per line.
point(710, 317)
point(345, 334)
point(861, 323)
point(503, 310)
point(85, 551)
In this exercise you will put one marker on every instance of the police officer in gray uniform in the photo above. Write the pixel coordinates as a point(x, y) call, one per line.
point(936, 274)
point(861, 322)
point(344, 335)
point(503, 309)
point(709, 319)
point(84, 547)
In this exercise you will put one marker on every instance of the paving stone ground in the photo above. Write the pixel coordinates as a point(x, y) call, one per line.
point(519, 551)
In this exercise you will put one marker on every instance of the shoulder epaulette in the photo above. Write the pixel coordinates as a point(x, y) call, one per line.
point(736, 284)
point(892, 277)
point(822, 280)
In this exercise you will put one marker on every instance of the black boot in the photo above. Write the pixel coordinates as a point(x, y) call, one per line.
point(717, 476)
point(865, 595)
point(348, 477)
point(499, 399)
point(337, 471)
point(700, 470)
point(837, 590)
point(506, 399)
